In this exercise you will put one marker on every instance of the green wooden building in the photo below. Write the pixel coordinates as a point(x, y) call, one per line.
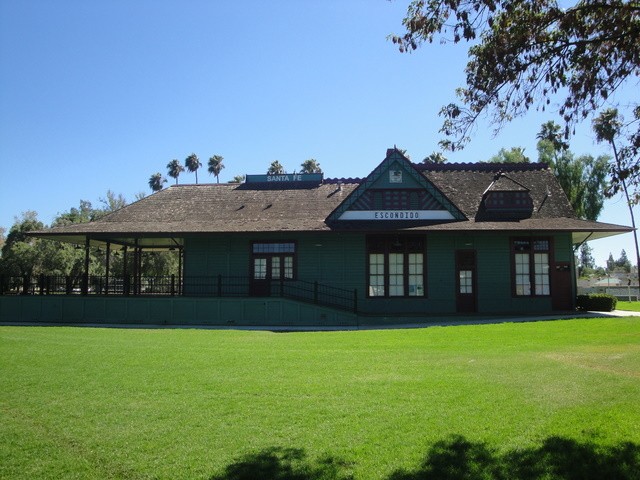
point(408, 241)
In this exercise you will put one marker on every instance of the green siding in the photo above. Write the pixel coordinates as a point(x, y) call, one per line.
point(339, 260)
point(441, 281)
point(494, 273)
point(335, 259)
point(169, 311)
point(223, 255)
point(563, 248)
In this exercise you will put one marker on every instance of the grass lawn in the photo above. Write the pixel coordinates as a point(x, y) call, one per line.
point(532, 400)
point(628, 306)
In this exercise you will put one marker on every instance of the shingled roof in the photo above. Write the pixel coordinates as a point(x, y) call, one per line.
point(184, 210)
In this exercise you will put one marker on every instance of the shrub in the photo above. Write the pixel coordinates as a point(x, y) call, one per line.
point(600, 302)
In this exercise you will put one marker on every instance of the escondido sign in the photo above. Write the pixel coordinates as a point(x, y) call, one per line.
point(396, 215)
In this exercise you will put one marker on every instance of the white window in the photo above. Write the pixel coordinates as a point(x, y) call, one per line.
point(466, 281)
point(376, 275)
point(273, 260)
point(416, 275)
point(531, 267)
point(396, 266)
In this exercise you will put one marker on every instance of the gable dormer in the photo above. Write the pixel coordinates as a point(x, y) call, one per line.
point(396, 191)
point(505, 199)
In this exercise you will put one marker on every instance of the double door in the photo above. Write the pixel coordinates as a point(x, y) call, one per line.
point(267, 270)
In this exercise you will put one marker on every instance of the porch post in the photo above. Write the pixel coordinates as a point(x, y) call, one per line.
point(139, 276)
point(85, 279)
point(26, 284)
point(574, 281)
point(125, 273)
point(180, 270)
point(135, 267)
point(106, 288)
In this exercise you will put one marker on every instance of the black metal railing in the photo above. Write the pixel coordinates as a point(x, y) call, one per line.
point(318, 294)
point(216, 286)
point(93, 284)
point(202, 286)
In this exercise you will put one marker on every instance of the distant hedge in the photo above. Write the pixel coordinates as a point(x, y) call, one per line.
point(600, 302)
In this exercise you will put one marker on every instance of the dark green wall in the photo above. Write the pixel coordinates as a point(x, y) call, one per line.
point(339, 260)
point(336, 259)
point(227, 312)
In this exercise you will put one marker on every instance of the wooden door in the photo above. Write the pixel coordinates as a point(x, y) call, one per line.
point(466, 281)
point(561, 287)
point(260, 276)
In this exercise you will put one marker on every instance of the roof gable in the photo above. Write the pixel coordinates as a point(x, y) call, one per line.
point(395, 190)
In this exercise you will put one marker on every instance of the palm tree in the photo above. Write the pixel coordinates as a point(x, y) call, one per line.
point(607, 126)
point(175, 168)
point(310, 166)
point(275, 168)
point(513, 155)
point(192, 162)
point(216, 166)
point(238, 179)
point(435, 157)
point(552, 132)
point(155, 182)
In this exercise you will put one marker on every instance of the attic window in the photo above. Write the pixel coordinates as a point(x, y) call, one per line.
point(507, 205)
point(518, 200)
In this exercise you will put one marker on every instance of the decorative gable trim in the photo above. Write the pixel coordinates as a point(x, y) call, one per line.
point(430, 206)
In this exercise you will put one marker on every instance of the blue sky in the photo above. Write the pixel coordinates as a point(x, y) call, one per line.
point(100, 95)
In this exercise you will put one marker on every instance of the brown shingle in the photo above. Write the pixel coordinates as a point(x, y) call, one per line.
point(221, 208)
point(194, 209)
point(465, 187)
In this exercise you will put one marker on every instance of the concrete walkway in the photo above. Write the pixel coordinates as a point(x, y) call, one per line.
point(451, 322)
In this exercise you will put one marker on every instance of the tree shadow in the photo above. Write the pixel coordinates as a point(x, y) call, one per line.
point(278, 463)
point(556, 459)
point(457, 458)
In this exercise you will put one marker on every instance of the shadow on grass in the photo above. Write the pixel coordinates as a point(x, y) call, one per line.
point(457, 458)
point(284, 464)
point(557, 458)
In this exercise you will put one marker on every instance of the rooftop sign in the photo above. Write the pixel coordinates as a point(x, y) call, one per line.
point(286, 178)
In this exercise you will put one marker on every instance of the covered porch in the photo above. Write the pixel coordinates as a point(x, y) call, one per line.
point(131, 282)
